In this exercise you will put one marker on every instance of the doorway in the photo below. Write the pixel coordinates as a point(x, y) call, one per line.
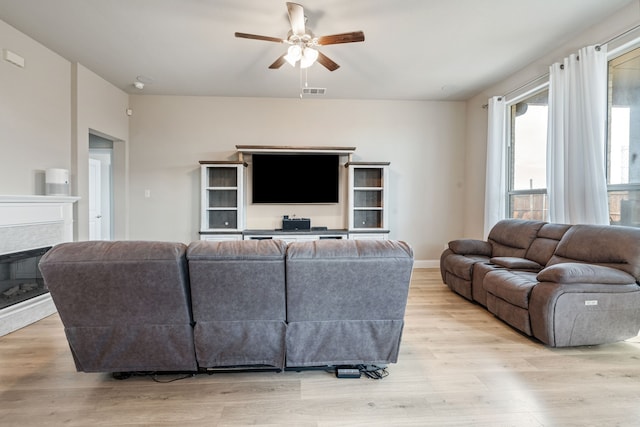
point(100, 188)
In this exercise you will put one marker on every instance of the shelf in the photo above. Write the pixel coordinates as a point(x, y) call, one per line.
point(369, 219)
point(377, 164)
point(222, 162)
point(227, 198)
point(249, 149)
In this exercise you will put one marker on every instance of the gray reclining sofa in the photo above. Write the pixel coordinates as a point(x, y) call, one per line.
point(566, 285)
point(130, 306)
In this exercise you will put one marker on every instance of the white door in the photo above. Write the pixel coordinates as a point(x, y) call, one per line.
point(95, 191)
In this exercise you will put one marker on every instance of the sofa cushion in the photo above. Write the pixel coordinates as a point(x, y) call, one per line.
point(516, 263)
point(339, 280)
point(572, 272)
point(99, 283)
point(470, 246)
point(462, 265)
point(511, 286)
point(608, 245)
point(544, 245)
point(512, 237)
point(237, 280)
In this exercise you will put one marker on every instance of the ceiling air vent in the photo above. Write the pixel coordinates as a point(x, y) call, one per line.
point(313, 90)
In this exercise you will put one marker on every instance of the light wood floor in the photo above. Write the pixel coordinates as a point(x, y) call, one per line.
point(458, 366)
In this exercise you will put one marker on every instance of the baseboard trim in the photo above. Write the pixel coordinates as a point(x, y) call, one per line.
point(426, 263)
point(25, 313)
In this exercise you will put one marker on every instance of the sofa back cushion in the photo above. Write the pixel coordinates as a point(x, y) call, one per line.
point(346, 301)
point(124, 304)
point(346, 279)
point(99, 283)
point(545, 243)
point(608, 245)
point(238, 290)
point(237, 280)
point(512, 237)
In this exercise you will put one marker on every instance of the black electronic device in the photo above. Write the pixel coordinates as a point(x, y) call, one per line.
point(295, 178)
point(348, 373)
point(293, 224)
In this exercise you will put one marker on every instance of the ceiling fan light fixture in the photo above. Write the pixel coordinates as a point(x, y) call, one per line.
point(309, 56)
point(294, 54)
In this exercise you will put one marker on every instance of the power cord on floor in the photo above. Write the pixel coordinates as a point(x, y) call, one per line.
point(374, 372)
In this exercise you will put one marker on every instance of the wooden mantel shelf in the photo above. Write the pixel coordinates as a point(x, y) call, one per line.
point(250, 149)
point(293, 149)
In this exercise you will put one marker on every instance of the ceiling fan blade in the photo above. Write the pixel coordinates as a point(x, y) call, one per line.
point(296, 17)
point(326, 62)
point(256, 37)
point(354, 36)
point(278, 62)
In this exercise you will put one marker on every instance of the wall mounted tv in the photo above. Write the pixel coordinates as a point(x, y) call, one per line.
point(295, 178)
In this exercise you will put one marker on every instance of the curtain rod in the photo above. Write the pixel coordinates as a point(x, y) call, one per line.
point(519, 87)
point(522, 86)
point(614, 38)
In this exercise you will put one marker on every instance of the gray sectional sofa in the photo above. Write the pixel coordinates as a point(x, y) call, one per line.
point(565, 285)
point(130, 306)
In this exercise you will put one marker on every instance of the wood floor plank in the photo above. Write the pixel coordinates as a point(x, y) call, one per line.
point(458, 366)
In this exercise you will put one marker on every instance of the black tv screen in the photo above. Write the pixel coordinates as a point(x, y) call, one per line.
point(295, 178)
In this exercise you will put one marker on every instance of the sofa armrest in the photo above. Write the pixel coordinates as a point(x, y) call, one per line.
point(470, 247)
point(573, 272)
point(515, 263)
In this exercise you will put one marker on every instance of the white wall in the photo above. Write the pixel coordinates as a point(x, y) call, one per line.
point(35, 114)
point(476, 139)
point(422, 140)
point(99, 107)
point(47, 109)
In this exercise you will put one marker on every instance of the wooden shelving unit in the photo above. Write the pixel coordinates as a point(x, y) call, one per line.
point(222, 199)
point(368, 198)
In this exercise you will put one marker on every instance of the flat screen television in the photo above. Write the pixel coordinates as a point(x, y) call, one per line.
point(295, 178)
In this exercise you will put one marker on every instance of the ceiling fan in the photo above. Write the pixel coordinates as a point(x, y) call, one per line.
point(303, 43)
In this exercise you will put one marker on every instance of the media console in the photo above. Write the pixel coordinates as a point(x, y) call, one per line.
point(294, 236)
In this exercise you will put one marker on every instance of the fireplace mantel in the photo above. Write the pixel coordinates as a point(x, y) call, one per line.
point(31, 222)
point(37, 199)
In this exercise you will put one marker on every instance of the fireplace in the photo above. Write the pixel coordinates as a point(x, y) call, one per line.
point(20, 278)
point(29, 226)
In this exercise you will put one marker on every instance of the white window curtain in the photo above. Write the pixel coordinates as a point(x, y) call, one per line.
point(495, 197)
point(576, 177)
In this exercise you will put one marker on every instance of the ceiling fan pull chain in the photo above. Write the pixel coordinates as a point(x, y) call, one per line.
point(306, 83)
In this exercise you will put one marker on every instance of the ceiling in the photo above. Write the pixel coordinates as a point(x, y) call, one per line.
point(413, 50)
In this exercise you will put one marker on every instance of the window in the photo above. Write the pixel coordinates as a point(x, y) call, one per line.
point(527, 156)
point(623, 142)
